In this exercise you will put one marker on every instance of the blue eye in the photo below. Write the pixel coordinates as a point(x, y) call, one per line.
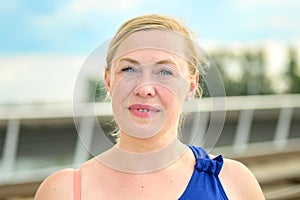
point(165, 72)
point(128, 69)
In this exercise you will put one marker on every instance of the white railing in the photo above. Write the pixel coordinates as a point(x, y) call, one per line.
point(12, 116)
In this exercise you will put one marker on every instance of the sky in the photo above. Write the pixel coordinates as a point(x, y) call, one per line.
point(43, 44)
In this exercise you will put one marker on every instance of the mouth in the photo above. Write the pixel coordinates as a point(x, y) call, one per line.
point(142, 110)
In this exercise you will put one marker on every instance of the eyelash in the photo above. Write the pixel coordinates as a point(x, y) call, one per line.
point(128, 69)
point(163, 71)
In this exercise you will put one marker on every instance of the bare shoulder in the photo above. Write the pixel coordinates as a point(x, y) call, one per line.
point(57, 186)
point(239, 182)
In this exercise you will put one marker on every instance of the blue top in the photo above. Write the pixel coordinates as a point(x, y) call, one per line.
point(205, 183)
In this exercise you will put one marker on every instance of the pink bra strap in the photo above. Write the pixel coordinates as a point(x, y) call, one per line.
point(77, 184)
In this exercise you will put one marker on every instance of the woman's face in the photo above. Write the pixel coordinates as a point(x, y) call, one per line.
point(147, 87)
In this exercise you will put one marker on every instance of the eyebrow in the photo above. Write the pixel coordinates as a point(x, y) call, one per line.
point(167, 61)
point(131, 60)
point(161, 62)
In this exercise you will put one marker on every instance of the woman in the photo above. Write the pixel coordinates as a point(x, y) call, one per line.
point(152, 69)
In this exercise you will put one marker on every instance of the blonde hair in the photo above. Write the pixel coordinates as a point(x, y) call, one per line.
point(157, 22)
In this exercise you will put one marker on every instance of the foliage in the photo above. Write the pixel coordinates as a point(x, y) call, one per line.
point(252, 77)
point(292, 74)
point(96, 90)
point(243, 73)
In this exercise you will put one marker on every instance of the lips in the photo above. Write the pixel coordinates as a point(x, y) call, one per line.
point(142, 110)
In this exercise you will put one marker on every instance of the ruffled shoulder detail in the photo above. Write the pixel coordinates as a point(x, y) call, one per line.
point(205, 163)
point(212, 166)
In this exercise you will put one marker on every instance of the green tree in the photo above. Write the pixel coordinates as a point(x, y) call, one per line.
point(252, 65)
point(254, 81)
point(294, 77)
point(96, 90)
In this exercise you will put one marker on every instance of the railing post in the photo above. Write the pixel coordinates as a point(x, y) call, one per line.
point(243, 131)
point(84, 140)
point(10, 145)
point(200, 129)
point(283, 127)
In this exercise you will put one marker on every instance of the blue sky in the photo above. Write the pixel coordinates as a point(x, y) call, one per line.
point(34, 31)
point(76, 27)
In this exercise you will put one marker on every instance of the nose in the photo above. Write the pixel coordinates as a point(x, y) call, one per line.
point(145, 90)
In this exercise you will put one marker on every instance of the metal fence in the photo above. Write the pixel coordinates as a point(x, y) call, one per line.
point(36, 140)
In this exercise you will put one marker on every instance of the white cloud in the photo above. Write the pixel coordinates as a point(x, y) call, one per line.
point(38, 78)
point(81, 10)
point(265, 3)
point(9, 6)
point(86, 6)
point(279, 16)
point(277, 23)
point(286, 24)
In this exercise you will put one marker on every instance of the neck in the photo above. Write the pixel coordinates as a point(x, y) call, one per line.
point(132, 162)
point(146, 145)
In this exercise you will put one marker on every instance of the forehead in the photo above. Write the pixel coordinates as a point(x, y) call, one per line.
point(146, 57)
point(151, 56)
point(164, 40)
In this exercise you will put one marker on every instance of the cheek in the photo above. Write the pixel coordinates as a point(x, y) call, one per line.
point(120, 88)
point(177, 89)
point(172, 107)
point(170, 99)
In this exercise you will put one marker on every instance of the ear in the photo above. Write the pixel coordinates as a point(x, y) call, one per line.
point(194, 82)
point(193, 86)
point(107, 81)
